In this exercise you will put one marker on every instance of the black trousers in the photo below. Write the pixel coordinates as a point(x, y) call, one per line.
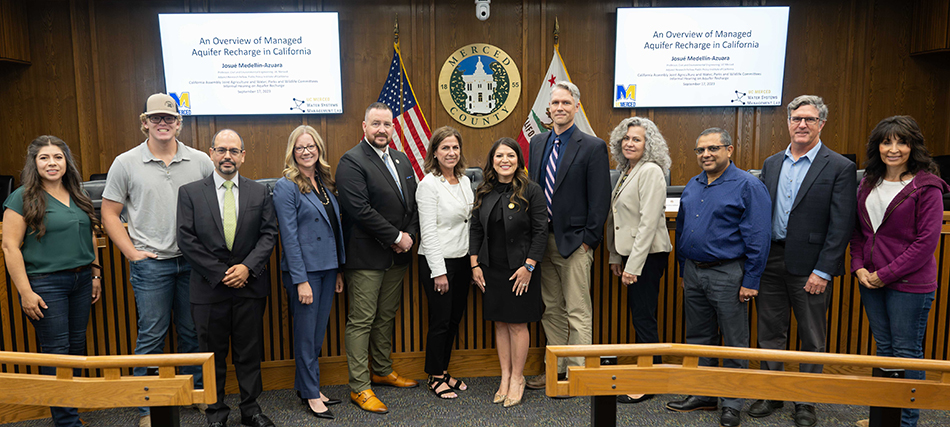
point(445, 310)
point(240, 323)
point(642, 299)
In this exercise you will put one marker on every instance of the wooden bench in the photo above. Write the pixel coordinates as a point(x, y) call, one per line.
point(607, 381)
point(165, 392)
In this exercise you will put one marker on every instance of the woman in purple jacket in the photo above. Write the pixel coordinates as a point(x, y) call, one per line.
point(900, 213)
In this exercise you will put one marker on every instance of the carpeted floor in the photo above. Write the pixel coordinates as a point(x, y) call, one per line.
point(419, 407)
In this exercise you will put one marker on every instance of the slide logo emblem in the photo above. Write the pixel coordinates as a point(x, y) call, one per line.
point(626, 96)
point(479, 85)
point(183, 100)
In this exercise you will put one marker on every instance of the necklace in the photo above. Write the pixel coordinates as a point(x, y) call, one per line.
point(321, 191)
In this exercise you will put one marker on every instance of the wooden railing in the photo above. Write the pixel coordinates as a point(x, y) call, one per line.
point(643, 377)
point(112, 389)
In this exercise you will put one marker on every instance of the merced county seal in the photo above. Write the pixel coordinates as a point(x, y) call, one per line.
point(479, 85)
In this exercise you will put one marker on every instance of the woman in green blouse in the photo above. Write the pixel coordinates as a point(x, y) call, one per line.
point(56, 270)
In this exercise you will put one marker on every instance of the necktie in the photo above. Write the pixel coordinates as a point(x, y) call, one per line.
point(230, 217)
point(392, 172)
point(551, 175)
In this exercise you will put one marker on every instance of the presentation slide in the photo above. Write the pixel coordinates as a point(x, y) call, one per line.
point(252, 63)
point(700, 57)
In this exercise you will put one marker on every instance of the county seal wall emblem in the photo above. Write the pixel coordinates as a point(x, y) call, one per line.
point(479, 85)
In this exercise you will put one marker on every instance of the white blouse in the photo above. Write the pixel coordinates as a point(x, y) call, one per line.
point(880, 198)
point(444, 212)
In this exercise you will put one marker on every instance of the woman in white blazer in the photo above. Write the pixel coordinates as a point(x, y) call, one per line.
point(444, 198)
point(637, 238)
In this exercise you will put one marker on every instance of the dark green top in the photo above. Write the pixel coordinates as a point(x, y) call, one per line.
point(68, 240)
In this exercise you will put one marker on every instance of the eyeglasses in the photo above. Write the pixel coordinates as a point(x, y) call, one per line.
point(311, 148)
point(167, 119)
point(234, 151)
point(808, 120)
point(713, 149)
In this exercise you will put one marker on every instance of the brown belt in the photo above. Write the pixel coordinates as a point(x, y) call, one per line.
point(76, 270)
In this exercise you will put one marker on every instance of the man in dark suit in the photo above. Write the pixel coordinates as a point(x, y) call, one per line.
point(813, 193)
point(226, 231)
point(380, 223)
point(573, 170)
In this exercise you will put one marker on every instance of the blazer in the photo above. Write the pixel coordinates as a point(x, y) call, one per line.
point(374, 212)
point(201, 239)
point(636, 222)
point(443, 221)
point(581, 191)
point(525, 227)
point(822, 215)
point(306, 236)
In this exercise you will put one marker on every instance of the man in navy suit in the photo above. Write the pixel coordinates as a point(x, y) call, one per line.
point(814, 196)
point(573, 170)
point(226, 231)
point(380, 223)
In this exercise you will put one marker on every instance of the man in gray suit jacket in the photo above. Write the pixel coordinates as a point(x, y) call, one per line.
point(226, 231)
point(814, 197)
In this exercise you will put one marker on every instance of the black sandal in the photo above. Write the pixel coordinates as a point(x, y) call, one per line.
point(435, 383)
point(458, 383)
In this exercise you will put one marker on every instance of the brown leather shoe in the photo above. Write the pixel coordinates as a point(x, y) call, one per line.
point(368, 401)
point(394, 380)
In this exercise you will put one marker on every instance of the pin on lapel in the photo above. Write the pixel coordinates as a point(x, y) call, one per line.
point(397, 161)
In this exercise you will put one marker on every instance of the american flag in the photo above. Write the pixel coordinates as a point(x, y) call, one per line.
point(412, 132)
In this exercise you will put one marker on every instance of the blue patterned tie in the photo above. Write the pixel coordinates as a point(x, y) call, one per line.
point(551, 175)
point(392, 172)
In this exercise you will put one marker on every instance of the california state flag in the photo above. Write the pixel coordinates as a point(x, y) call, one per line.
point(539, 121)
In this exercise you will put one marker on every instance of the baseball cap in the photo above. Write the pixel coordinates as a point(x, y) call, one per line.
point(161, 103)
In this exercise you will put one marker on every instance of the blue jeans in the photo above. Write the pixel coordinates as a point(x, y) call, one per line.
point(162, 288)
point(898, 321)
point(62, 330)
point(714, 314)
point(310, 326)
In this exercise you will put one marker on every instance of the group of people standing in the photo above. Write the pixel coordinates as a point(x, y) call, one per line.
point(524, 237)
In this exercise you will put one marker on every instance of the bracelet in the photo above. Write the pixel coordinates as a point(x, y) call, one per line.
point(529, 267)
point(97, 277)
point(475, 266)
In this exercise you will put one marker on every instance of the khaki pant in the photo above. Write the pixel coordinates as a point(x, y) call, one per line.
point(565, 290)
point(375, 296)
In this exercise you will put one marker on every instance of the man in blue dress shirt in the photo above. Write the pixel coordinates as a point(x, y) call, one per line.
point(722, 243)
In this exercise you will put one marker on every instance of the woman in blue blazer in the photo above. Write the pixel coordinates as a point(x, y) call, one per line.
point(312, 241)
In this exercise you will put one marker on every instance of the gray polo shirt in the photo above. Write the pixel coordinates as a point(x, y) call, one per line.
point(149, 190)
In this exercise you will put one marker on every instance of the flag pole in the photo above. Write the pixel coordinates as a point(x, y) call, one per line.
point(557, 31)
point(396, 45)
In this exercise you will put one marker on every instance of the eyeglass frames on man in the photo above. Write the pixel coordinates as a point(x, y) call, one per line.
point(711, 148)
point(167, 119)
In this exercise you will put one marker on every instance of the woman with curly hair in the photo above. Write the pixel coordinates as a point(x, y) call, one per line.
point(637, 238)
point(508, 237)
point(56, 270)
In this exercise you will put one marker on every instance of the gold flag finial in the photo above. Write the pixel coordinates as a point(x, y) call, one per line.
point(557, 30)
point(396, 30)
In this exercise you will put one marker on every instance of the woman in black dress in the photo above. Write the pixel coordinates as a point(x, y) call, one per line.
point(508, 237)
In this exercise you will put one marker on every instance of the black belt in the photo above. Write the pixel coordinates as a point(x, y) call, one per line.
point(712, 264)
point(75, 270)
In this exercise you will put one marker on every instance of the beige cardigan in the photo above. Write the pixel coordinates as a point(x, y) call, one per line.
point(636, 224)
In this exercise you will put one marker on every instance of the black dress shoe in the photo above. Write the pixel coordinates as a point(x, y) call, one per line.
point(623, 398)
point(327, 415)
point(763, 408)
point(805, 415)
point(692, 403)
point(729, 418)
point(257, 420)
